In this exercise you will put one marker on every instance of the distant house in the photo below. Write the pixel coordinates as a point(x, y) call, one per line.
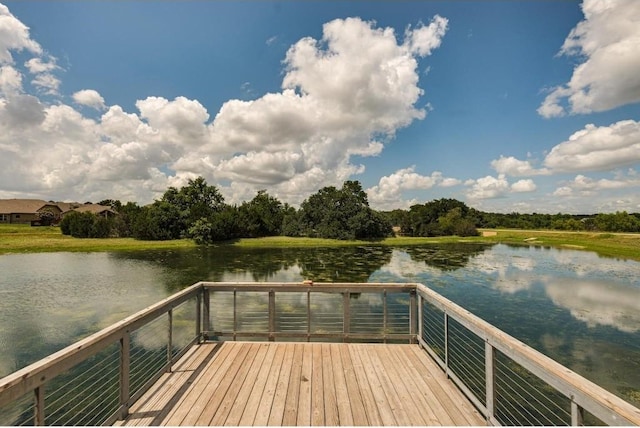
point(96, 209)
point(28, 211)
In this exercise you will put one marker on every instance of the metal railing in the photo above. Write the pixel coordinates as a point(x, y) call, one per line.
point(347, 312)
point(509, 382)
point(97, 379)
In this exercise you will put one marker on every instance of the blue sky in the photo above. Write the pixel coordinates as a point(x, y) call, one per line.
point(528, 106)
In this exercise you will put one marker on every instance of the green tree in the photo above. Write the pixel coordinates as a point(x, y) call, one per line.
point(194, 201)
point(85, 225)
point(263, 215)
point(439, 217)
point(342, 214)
point(291, 222)
point(159, 221)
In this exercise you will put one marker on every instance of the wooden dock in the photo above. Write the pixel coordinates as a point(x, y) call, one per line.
point(321, 354)
point(286, 384)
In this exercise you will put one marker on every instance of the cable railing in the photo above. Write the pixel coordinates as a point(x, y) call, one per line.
point(96, 380)
point(509, 382)
point(346, 312)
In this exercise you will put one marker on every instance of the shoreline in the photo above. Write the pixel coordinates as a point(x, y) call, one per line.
point(21, 239)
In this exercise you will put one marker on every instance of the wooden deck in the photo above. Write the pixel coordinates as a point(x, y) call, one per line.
point(284, 384)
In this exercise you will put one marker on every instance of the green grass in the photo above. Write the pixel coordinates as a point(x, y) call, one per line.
point(618, 245)
point(26, 239)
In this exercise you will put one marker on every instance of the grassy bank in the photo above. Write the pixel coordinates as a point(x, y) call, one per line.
point(625, 246)
point(26, 239)
point(620, 245)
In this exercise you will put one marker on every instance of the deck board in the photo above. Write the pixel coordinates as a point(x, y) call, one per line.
point(260, 383)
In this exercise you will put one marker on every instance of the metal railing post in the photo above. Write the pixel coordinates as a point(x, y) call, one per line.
point(272, 315)
point(446, 343)
point(346, 315)
point(490, 392)
point(308, 315)
point(125, 368)
point(206, 313)
point(413, 318)
point(199, 316)
point(235, 314)
point(39, 406)
point(577, 414)
point(384, 316)
point(169, 339)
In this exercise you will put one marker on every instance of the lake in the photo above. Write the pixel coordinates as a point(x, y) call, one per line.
point(576, 307)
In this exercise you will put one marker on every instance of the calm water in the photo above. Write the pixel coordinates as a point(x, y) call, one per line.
point(578, 308)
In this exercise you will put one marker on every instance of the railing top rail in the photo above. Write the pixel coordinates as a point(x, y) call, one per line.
point(330, 287)
point(595, 399)
point(28, 378)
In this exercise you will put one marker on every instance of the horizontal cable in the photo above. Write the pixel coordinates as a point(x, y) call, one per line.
point(502, 386)
point(78, 395)
point(74, 377)
point(502, 364)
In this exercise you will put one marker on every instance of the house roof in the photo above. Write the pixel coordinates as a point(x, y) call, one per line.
point(94, 208)
point(67, 206)
point(23, 206)
point(32, 206)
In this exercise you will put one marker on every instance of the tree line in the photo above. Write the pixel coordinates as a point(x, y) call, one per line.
point(198, 211)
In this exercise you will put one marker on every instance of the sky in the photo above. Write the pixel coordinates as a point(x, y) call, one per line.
point(508, 106)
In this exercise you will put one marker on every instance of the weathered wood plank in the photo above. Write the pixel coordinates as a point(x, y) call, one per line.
point(261, 383)
point(237, 382)
point(354, 394)
point(277, 408)
point(196, 401)
point(157, 400)
point(268, 394)
point(254, 399)
point(343, 400)
point(374, 398)
point(218, 390)
point(293, 391)
point(190, 402)
point(317, 387)
point(328, 380)
point(419, 393)
point(456, 405)
point(304, 399)
point(390, 407)
point(237, 410)
point(399, 381)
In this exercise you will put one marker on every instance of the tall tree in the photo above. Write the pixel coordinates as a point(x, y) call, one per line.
point(263, 215)
point(342, 214)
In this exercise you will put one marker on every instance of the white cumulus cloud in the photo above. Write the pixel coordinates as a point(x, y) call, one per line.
point(14, 35)
point(608, 40)
point(488, 187)
point(10, 81)
point(388, 192)
point(342, 96)
point(597, 148)
point(515, 167)
point(523, 186)
point(89, 98)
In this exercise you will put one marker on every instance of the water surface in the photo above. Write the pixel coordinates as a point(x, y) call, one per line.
point(581, 309)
